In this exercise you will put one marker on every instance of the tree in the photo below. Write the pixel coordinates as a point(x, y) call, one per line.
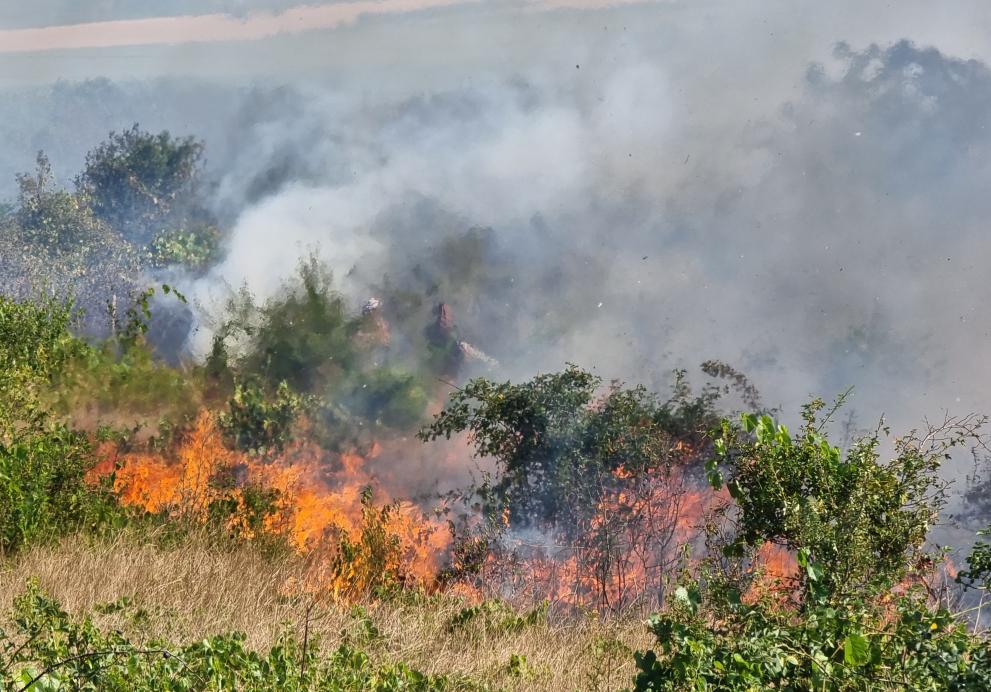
point(54, 242)
point(591, 467)
point(137, 180)
point(554, 436)
point(54, 219)
point(859, 614)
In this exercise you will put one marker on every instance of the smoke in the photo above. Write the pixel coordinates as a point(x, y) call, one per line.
point(835, 241)
point(632, 190)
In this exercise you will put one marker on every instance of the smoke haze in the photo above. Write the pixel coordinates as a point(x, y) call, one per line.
point(794, 189)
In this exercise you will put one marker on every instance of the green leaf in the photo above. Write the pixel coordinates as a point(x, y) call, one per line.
point(735, 491)
point(749, 422)
point(856, 650)
point(689, 596)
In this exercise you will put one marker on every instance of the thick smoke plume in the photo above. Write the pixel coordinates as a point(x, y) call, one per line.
point(837, 241)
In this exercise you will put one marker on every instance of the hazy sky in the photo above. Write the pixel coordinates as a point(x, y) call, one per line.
point(141, 38)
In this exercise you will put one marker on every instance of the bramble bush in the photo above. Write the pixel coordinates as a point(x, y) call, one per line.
point(858, 615)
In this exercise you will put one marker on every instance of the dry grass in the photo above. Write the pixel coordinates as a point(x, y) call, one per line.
point(195, 589)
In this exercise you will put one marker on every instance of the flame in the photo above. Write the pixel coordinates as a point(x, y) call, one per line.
point(318, 505)
point(180, 486)
point(632, 544)
point(624, 553)
point(775, 576)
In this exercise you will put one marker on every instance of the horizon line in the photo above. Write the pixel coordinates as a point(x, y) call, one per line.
point(226, 28)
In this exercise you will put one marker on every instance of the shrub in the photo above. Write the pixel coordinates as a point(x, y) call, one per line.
point(856, 526)
point(392, 397)
point(302, 337)
point(50, 650)
point(43, 488)
point(257, 423)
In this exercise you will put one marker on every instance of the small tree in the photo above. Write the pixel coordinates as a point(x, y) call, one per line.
point(136, 180)
point(53, 219)
point(303, 336)
point(259, 423)
point(856, 520)
point(588, 466)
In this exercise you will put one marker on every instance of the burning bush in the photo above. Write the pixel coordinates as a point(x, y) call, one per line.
point(324, 513)
point(593, 491)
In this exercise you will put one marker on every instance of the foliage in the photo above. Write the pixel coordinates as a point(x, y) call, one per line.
point(306, 337)
point(858, 519)
point(496, 616)
point(49, 650)
point(121, 377)
point(599, 471)
point(136, 180)
point(856, 526)
point(556, 440)
point(978, 563)
point(43, 493)
point(43, 488)
point(257, 423)
point(754, 647)
point(390, 396)
point(244, 514)
point(131, 386)
point(195, 248)
point(302, 337)
point(34, 345)
point(53, 219)
point(54, 241)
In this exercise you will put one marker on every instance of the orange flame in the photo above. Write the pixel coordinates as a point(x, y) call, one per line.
point(318, 505)
point(628, 549)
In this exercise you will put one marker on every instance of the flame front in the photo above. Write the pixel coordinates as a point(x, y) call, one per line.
point(318, 501)
point(631, 545)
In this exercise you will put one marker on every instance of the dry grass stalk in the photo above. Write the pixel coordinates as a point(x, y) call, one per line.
point(195, 588)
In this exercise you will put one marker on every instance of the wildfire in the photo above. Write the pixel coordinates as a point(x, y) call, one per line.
point(318, 503)
point(624, 552)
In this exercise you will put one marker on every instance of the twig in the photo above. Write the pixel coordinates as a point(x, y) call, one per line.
point(306, 640)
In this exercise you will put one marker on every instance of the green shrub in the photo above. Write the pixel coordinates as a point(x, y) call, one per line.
point(392, 397)
point(497, 617)
point(49, 650)
point(43, 490)
point(857, 526)
point(257, 423)
point(558, 438)
point(302, 337)
point(34, 344)
point(195, 248)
